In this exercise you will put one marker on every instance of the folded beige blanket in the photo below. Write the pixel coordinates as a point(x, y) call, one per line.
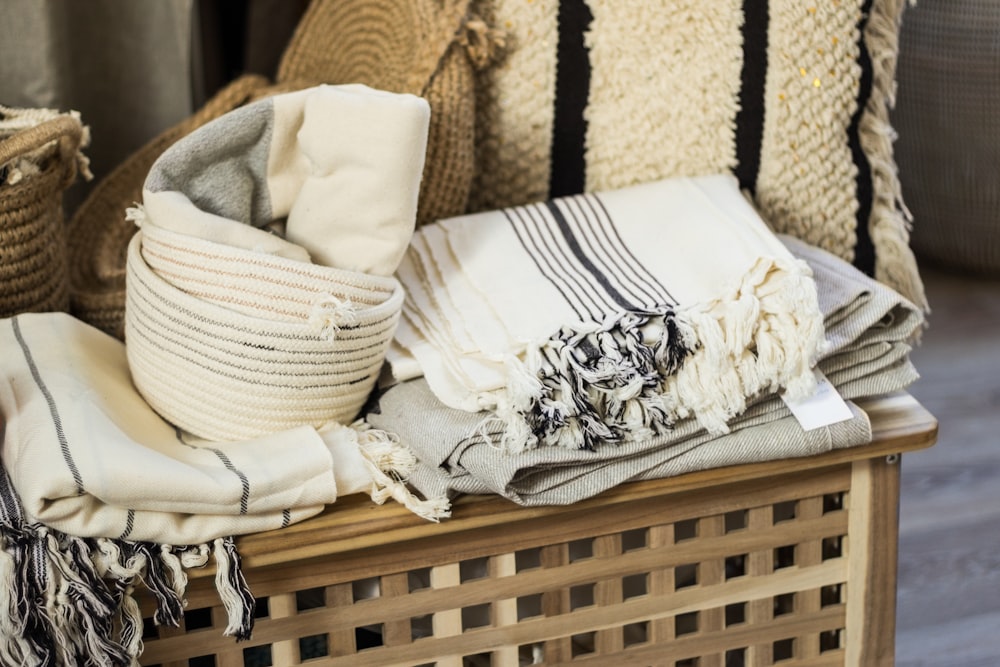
point(868, 326)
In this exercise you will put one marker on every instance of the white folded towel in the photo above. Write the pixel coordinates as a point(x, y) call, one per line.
point(608, 316)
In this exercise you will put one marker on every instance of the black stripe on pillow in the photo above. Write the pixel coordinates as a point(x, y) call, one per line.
point(568, 169)
point(864, 249)
point(750, 117)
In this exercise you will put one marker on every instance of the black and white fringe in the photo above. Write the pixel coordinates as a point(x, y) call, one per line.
point(599, 384)
point(67, 600)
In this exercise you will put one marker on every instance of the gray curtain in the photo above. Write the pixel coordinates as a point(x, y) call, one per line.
point(124, 65)
point(133, 67)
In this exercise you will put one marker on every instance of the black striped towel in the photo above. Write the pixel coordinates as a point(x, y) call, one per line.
point(606, 317)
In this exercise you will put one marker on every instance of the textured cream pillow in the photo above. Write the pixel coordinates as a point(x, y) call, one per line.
point(792, 96)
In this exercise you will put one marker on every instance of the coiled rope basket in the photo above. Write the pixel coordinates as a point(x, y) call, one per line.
point(36, 165)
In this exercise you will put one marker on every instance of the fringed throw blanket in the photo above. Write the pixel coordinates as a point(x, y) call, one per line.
point(607, 317)
point(260, 293)
point(88, 458)
point(869, 328)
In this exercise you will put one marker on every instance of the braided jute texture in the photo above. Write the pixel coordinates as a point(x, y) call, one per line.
point(98, 233)
point(231, 344)
point(38, 162)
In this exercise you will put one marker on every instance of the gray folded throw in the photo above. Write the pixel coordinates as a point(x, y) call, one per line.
point(869, 326)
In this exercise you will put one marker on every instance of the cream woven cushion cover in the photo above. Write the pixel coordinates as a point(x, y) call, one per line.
point(791, 96)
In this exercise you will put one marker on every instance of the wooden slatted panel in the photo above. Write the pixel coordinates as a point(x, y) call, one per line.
point(608, 593)
point(556, 602)
point(556, 578)
point(504, 610)
point(760, 565)
point(551, 532)
point(284, 652)
point(711, 572)
point(809, 553)
point(340, 642)
point(447, 622)
point(661, 583)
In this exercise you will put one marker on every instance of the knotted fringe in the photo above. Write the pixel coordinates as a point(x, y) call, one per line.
point(68, 600)
point(890, 222)
point(233, 590)
point(13, 120)
point(390, 463)
point(484, 44)
point(635, 374)
point(330, 313)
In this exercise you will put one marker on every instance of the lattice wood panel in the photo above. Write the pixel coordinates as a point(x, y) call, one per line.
point(752, 574)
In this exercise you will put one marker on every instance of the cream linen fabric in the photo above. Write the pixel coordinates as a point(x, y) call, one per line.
point(88, 457)
point(649, 304)
point(869, 327)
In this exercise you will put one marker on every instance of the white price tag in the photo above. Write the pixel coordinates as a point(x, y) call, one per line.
point(824, 407)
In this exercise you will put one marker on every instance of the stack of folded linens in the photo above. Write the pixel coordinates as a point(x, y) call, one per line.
point(862, 349)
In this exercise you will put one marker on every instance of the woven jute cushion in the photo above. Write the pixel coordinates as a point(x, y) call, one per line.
point(39, 159)
point(792, 97)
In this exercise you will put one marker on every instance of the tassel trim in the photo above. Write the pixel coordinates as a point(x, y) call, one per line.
point(390, 463)
point(891, 221)
point(70, 601)
point(635, 374)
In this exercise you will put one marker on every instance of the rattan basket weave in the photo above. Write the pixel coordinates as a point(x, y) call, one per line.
point(33, 274)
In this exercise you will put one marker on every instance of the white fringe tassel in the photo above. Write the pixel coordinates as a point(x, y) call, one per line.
point(390, 463)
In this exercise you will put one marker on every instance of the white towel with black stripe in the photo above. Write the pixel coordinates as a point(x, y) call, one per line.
point(97, 492)
point(605, 317)
point(89, 457)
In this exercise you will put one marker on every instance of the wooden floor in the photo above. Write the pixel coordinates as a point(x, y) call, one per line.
point(949, 555)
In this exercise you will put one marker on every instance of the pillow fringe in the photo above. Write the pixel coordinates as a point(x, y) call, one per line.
point(891, 221)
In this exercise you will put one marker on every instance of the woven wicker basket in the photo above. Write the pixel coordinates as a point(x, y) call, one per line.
point(948, 118)
point(99, 233)
point(33, 273)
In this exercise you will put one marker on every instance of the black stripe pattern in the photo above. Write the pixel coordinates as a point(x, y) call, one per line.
point(750, 117)
point(864, 248)
point(576, 246)
point(569, 126)
point(53, 408)
point(600, 380)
